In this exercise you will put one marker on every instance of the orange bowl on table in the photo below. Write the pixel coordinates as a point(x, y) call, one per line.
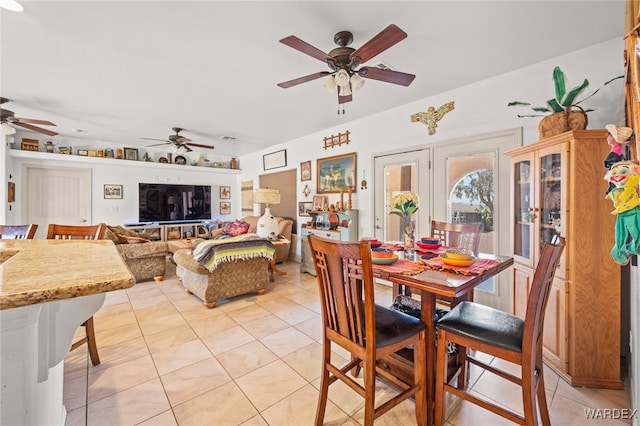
point(458, 254)
point(381, 253)
point(457, 262)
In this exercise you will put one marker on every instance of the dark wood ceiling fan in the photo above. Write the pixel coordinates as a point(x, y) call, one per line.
point(179, 141)
point(9, 117)
point(345, 62)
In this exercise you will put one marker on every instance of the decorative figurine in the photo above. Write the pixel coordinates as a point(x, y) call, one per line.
point(617, 139)
point(431, 117)
point(625, 176)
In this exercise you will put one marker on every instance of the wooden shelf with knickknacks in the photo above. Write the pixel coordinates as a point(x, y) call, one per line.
point(132, 154)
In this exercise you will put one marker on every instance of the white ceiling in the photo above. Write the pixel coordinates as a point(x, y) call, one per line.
point(121, 70)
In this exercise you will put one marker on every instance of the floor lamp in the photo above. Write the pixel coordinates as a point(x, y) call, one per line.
point(267, 225)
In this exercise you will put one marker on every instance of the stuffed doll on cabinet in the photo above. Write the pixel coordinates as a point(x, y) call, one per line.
point(617, 139)
point(624, 177)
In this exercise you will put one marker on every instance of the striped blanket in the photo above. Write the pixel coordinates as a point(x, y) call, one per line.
point(210, 253)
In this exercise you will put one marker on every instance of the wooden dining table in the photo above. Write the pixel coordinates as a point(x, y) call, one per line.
point(432, 285)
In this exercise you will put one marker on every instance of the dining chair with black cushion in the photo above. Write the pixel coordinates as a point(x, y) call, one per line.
point(81, 232)
point(370, 332)
point(473, 326)
point(18, 232)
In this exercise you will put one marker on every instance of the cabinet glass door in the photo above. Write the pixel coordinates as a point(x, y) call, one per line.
point(550, 214)
point(523, 209)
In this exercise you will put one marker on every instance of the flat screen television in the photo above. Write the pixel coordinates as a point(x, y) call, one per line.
point(160, 202)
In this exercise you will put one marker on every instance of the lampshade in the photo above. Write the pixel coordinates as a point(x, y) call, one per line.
point(7, 129)
point(356, 81)
point(267, 225)
point(342, 78)
point(266, 196)
point(344, 90)
point(330, 83)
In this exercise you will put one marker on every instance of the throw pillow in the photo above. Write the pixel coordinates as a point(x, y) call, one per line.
point(238, 227)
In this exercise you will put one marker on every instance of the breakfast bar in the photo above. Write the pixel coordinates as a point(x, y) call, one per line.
point(47, 289)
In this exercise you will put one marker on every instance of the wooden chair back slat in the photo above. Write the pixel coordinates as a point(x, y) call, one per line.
point(76, 232)
point(464, 235)
point(18, 232)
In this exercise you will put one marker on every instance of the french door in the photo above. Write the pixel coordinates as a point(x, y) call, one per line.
point(464, 181)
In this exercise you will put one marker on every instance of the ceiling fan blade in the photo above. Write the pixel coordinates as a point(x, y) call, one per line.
point(185, 146)
point(306, 48)
point(34, 128)
point(378, 44)
point(304, 79)
point(389, 76)
point(154, 139)
point(158, 144)
point(34, 121)
point(201, 146)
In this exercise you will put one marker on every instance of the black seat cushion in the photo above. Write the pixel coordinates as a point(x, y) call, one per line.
point(393, 326)
point(485, 324)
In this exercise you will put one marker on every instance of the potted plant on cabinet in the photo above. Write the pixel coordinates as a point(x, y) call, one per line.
point(564, 109)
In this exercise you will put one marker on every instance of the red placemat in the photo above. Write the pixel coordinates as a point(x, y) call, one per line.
point(403, 266)
point(478, 267)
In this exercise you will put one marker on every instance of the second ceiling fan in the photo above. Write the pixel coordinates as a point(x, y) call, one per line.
point(179, 141)
point(346, 72)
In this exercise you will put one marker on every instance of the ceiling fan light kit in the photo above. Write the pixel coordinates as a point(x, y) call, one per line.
point(344, 62)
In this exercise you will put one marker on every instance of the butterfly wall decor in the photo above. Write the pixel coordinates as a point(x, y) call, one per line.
point(431, 116)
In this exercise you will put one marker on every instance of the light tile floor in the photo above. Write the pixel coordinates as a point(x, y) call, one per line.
point(252, 360)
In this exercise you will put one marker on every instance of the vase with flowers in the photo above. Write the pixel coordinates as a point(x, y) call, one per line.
point(405, 205)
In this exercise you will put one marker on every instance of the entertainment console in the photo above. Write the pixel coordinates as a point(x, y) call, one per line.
point(176, 230)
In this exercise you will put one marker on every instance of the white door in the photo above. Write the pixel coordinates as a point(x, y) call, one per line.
point(407, 171)
point(472, 177)
point(57, 195)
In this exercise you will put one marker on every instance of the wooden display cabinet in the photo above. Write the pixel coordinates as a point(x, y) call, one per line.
point(558, 188)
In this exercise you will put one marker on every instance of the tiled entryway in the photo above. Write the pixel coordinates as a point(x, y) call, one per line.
point(252, 360)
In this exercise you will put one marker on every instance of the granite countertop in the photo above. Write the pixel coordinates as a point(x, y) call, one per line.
point(39, 271)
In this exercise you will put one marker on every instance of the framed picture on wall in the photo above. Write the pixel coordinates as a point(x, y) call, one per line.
point(336, 174)
point(304, 207)
point(318, 202)
point(225, 207)
point(225, 192)
point(113, 192)
point(305, 170)
point(274, 160)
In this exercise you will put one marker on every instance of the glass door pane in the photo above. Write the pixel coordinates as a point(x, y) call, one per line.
point(394, 173)
point(550, 198)
point(398, 178)
point(522, 209)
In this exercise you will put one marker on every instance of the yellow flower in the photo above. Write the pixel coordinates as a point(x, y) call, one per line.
point(405, 204)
